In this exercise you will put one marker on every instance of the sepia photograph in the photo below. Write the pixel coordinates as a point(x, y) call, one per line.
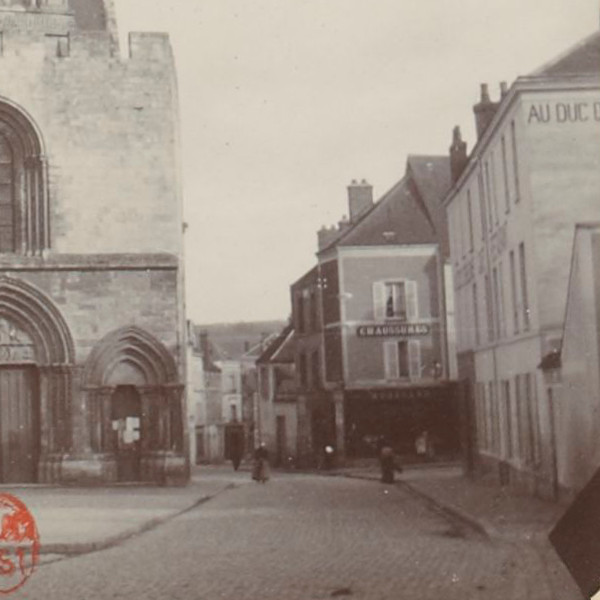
point(300, 299)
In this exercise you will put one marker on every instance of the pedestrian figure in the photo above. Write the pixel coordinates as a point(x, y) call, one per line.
point(236, 459)
point(261, 470)
point(387, 462)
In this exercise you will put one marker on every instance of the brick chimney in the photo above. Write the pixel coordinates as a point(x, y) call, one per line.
point(360, 198)
point(326, 235)
point(458, 154)
point(484, 111)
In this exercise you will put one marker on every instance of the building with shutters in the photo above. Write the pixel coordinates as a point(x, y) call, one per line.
point(373, 352)
point(533, 173)
point(92, 328)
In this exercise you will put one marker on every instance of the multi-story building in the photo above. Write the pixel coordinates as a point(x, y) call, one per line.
point(277, 406)
point(92, 364)
point(532, 175)
point(371, 322)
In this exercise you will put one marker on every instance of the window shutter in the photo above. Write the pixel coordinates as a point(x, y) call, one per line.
point(412, 304)
point(390, 357)
point(379, 300)
point(414, 358)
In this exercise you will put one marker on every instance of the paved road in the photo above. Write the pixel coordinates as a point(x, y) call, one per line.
point(299, 537)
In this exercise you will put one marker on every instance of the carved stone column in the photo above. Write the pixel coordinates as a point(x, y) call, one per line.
point(57, 419)
point(163, 460)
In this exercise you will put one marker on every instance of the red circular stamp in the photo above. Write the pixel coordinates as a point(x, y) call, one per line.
point(19, 543)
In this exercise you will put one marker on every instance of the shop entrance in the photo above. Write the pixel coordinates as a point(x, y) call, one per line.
point(126, 412)
point(19, 424)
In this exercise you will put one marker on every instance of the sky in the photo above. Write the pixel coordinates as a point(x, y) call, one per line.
point(284, 102)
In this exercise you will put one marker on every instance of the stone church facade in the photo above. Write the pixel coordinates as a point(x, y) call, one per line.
point(91, 279)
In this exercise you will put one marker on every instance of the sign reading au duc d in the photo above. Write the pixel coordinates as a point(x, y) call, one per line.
point(400, 329)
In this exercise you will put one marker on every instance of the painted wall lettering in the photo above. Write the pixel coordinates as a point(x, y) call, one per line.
point(564, 112)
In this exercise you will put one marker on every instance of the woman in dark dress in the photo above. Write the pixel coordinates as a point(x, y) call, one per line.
point(261, 470)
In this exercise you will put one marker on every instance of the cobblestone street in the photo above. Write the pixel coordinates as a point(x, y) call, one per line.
point(300, 537)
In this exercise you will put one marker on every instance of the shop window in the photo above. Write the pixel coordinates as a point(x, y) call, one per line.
point(395, 300)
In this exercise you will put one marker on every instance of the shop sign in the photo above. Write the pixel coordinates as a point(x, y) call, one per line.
point(400, 329)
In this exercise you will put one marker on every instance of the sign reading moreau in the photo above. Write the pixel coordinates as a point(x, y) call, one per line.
point(393, 329)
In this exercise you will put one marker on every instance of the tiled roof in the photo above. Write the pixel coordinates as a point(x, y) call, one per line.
point(581, 59)
point(281, 346)
point(432, 177)
point(411, 212)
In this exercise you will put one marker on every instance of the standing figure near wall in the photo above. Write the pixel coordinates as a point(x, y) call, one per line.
point(261, 470)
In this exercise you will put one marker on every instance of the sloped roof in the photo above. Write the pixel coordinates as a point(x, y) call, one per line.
point(431, 175)
point(411, 212)
point(281, 349)
point(581, 59)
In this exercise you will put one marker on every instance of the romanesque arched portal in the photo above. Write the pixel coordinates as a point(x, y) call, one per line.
point(134, 406)
point(36, 360)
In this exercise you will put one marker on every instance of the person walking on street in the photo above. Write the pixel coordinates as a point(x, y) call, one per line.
point(387, 462)
point(236, 453)
point(261, 470)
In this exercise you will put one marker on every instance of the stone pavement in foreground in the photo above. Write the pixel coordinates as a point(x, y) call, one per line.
point(301, 537)
point(518, 520)
point(72, 520)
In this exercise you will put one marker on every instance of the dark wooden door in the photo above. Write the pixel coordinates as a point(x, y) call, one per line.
point(281, 441)
point(126, 418)
point(19, 424)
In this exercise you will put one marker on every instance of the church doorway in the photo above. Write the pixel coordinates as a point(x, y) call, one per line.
point(19, 424)
point(126, 414)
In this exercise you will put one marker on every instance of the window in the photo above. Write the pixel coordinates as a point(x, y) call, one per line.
point(489, 310)
point(505, 176)
point(402, 359)
point(7, 204)
point(24, 226)
point(494, 187)
point(476, 315)
point(515, 159)
point(299, 312)
point(315, 369)
point(302, 370)
point(470, 215)
point(314, 312)
point(513, 292)
point(481, 416)
point(508, 435)
point(57, 45)
point(395, 300)
point(492, 212)
point(524, 295)
point(533, 421)
point(499, 322)
point(482, 204)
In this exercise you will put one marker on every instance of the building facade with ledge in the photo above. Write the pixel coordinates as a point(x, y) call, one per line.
point(92, 349)
point(371, 323)
point(532, 175)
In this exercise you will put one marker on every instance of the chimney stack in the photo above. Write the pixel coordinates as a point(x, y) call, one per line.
point(458, 154)
point(326, 236)
point(503, 89)
point(360, 198)
point(484, 111)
